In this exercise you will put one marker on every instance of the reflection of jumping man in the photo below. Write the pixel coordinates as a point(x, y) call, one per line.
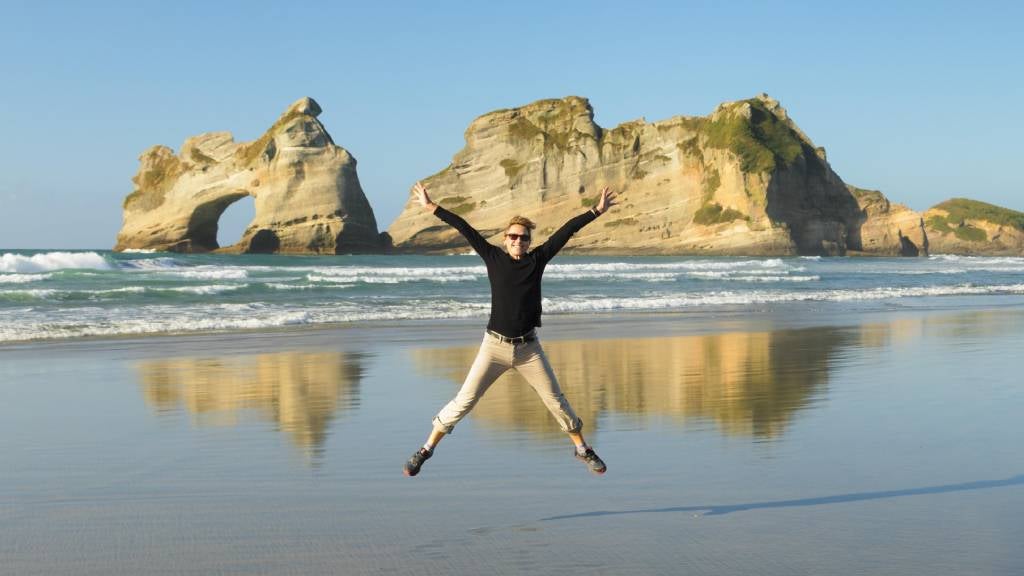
point(511, 339)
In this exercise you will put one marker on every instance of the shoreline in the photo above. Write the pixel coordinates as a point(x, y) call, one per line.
point(557, 327)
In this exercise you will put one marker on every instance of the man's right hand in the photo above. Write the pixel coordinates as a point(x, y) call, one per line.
point(423, 198)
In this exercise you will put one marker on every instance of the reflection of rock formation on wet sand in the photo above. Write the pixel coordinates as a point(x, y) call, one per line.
point(300, 392)
point(748, 383)
point(961, 327)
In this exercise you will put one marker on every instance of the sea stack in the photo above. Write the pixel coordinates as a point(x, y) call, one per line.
point(307, 194)
point(744, 180)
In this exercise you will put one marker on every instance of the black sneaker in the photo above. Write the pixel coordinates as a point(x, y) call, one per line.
point(412, 467)
point(593, 461)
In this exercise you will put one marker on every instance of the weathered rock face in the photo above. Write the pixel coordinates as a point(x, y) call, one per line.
point(887, 229)
point(969, 227)
point(744, 180)
point(307, 195)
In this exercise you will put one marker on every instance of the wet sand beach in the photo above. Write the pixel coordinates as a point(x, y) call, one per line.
point(737, 443)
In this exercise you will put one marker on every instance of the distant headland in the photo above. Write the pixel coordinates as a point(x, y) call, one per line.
point(744, 180)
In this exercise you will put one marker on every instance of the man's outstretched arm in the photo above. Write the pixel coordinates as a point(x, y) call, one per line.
point(562, 235)
point(477, 241)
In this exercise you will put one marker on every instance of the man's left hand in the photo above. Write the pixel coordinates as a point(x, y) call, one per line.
point(606, 201)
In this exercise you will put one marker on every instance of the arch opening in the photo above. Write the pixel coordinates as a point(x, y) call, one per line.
point(234, 220)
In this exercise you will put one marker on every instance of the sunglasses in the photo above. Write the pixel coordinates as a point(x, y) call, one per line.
point(520, 237)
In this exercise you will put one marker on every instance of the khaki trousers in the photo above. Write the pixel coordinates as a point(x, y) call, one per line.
point(494, 359)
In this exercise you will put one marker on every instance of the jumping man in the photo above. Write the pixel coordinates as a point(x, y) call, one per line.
point(510, 341)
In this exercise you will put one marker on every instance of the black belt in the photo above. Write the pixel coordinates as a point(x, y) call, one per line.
point(528, 337)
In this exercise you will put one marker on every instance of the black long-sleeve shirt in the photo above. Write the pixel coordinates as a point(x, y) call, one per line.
point(515, 284)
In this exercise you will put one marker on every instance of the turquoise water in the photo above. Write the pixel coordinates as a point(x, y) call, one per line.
point(58, 295)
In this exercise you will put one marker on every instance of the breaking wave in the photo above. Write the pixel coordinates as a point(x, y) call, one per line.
point(50, 261)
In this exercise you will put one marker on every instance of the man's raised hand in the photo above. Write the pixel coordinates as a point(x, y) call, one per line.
point(421, 196)
point(606, 201)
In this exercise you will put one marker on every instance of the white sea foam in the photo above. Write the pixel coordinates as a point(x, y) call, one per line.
point(766, 278)
point(52, 294)
point(759, 276)
point(596, 275)
point(280, 286)
point(125, 290)
point(163, 263)
point(978, 259)
point(979, 263)
point(211, 273)
point(913, 272)
point(222, 317)
point(720, 298)
point(412, 272)
point(623, 271)
point(390, 279)
point(138, 251)
point(32, 294)
point(685, 265)
point(50, 261)
point(19, 325)
point(212, 289)
point(732, 274)
point(22, 278)
point(771, 265)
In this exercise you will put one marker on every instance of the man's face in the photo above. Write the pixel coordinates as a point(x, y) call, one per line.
point(517, 241)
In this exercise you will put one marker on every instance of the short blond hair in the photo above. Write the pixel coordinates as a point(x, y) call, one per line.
point(522, 221)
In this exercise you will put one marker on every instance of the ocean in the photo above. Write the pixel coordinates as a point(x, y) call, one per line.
point(46, 295)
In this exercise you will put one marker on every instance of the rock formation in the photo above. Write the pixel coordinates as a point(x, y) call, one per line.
point(886, 229)
point(744, 180)
point(961, 226)
point(307, 194)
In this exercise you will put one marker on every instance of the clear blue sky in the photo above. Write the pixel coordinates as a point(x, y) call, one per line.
point(922, 100)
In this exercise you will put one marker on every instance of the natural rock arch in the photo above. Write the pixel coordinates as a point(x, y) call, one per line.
point(306, 192)
point(205, 219)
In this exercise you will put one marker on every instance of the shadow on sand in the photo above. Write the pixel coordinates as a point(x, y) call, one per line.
point(719, 509)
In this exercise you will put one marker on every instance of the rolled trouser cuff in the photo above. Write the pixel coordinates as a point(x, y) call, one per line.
point(576, 427)
point(442, 427)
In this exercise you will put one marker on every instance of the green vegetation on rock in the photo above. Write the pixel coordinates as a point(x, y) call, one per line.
point(870, 196)
point(199, 158)
point(711, 183)
point(961, 209)
point(588, 202)
point(622, 222)
point(152, 185)
point(463, 209)
point(970, 233)
point(550, 119)
point(939, 223)
point(958, 226)
point(691, 148)
point(713, 213)
point(249, 153)
point(763, 142)
point(523, 129)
